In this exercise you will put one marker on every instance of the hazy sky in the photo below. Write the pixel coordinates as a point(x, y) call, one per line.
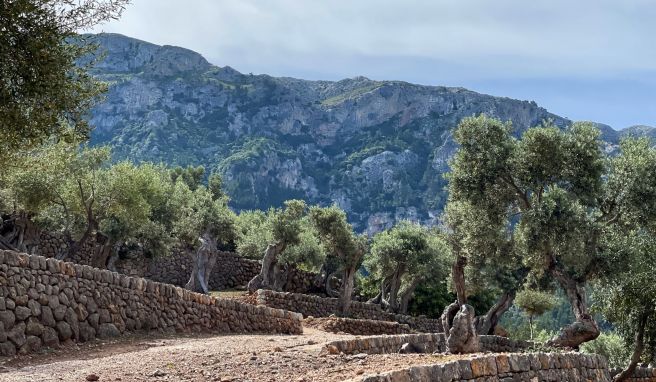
point(581, 59)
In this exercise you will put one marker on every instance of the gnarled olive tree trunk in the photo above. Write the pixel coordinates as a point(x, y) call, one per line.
point(384, 289)
point(639, 347)
point(407, 294)
point(346, 291)
point(102, 251)
point(486, 324)
point(458, 276)
point(204, 262)
point(392, 302)
point(448, 314)
point(585, 327)
point(267, 276)
point(23, 235)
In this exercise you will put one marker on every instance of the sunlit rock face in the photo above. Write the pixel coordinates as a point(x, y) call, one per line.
point(378, 149)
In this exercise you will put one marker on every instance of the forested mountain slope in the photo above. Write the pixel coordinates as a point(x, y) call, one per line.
point(376, 148)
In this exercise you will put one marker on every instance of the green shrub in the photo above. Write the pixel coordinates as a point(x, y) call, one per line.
point(611, 346)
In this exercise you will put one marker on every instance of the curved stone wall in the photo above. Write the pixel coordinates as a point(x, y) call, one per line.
point(315, 306)
point(44, 302)
point(420, 343)
point(571, 367)
point(356, 326)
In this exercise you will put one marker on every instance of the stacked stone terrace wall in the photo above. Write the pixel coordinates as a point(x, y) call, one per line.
point(44, 302)
point(323, 307)
point(52, 244)
point(420, 343)
point(641, 374)
point(231, 270)
point(498, 344)
point(356, 326)
point(570, 367)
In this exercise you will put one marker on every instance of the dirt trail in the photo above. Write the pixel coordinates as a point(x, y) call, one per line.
point(205, 358)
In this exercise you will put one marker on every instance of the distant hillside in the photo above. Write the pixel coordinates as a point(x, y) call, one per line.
point(376, 148)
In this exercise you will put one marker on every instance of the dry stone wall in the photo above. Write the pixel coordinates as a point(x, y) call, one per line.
point(231, 271)
point(356, 326)
point(315, 306)
point(420, 343)
point(571, 367)
point(51, 244)
point(44, 302)
point(498, 344)
point(641, 374)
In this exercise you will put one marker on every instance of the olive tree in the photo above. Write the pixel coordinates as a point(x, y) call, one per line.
point(58, 183)
point(255, 232)
point(544, 192)
point(45, 89)
point(534, 303)
point(483, 252)
point(285, 228)
point(626, 293)
point(74, 190)
point(401, 258)
point(202, 218)
point(343, 245)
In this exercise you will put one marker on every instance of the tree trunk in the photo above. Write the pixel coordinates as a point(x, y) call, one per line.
point(75, 246)
point(4, 244)
point(448, 315)
point(485, 325)
point(279, 277)
point(111, 262)
point(330, 291)
point(585, 328)
point(407, 295)
point(637, 350)
point(346, 291)
point(384, 288)
point(24, 235)
point(265, 279)
point(395, 285)
point(205, 260)
point(92, 224)
point(458, 276)
point(101, 252)
point(530, 326)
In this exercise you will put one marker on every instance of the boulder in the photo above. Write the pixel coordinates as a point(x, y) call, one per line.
point(49, 337)
point(64, 330)
point(108, 331)
point(17, 334)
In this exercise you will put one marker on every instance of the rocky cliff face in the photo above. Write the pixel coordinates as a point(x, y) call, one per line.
point(376, 148)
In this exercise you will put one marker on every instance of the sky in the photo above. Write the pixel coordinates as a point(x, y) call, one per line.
point(581, 59)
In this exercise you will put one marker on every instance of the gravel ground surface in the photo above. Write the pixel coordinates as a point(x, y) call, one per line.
point(205, 358)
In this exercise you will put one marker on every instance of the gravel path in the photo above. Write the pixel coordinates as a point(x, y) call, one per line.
point(206, 358)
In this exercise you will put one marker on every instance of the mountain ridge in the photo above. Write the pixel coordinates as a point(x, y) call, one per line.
point(376, 148)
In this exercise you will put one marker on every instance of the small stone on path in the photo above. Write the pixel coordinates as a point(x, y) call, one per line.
point(157, 373)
